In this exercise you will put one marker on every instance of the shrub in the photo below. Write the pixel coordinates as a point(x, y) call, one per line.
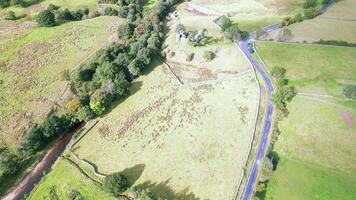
point(350, 91)
point(53, 7)
point(10, 15)
point(8, 163)
point(85, 114)
point(311, 13)
point(209, 56)
point(179, 28)
point(190, 57)
point(278, 72)
point(224, 23)
point(233, 32)
point(115, 184)
point(46, 18)
point(324, 2)
point(298, 17)
point(310, 3)
point(198, 38)
point(111, 11)
point(266, 170)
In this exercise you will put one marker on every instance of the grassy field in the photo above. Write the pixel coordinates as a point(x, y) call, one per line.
point(64, 178)
point(316, 148)
point(337, 23)
point(36, 8)
point(32, 63)
point(313, 69)
point(296, 179)
point(251, 15)
point(316, 144)
point(172, 131)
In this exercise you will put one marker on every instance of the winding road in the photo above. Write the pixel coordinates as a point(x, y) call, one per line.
point(262, 147)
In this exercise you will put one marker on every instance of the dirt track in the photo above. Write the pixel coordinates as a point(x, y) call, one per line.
point(32, 178)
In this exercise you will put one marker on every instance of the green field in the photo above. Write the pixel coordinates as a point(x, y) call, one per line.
point(33, 61)
point(337, 23)
point(312, 68)
point(296, 179)
point(317, 140)
point(36, 8)
point(66, 177)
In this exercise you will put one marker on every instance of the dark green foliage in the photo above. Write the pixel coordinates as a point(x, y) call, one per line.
point(126, 31)
point(115, 184)
point(311, 13)
point(53, 7)
point(284, 93)
point(288, 21)
point(278, 72)
point(324, 2)
point(111, 11)
point(350, 91)
point(85, 114)
point(198, 38)
point(123, 12)
point(180, 28)
point(233, 32)
point(298, 17)
point(336, 43)
point(310, 3)
point(9, 163)
point(224, 23)
point(10, 15)
point(41, 134)
point(46, 18)
point(244, 35)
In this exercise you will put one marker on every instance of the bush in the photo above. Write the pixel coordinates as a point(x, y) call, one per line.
point(266, 170)
point(8, 163)
point(46, 18)
point(224, 23)
point(324, 2)
point(298, 17)
point(310, 3)
point(115, 184)
point(233, 32)
point(278, 72)
point(190, 57)
point(311, 13)
point(336, 42)
point(85, 114)
point(209, 56)
point(350, 91)
point(111, 11)
point(10, 15)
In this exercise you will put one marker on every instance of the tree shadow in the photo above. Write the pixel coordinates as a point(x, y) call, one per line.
point(164, 191)
point(133, 173)
point(273, 155)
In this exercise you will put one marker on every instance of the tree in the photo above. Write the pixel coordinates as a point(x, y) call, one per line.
point(278, 72)
point(266, 170)
point(126, 31)
point(225, 23)
point(85, 114)
point(350, 91)
point(53, 126)
point(111, 11)
point(198, 38)
point(180, 28)
point(46, 18)
point(115, 184)
point(233, 32)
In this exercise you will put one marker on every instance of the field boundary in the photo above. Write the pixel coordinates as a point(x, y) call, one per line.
point(306, 43)
point(170, 70)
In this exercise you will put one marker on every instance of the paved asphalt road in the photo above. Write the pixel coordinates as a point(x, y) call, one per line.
point(268, 120)
point(262, 148)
